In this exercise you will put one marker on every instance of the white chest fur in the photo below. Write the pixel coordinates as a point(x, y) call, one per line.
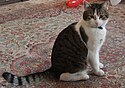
point(96, 37)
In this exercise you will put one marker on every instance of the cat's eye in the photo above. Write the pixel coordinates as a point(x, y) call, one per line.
point(90, 17)
point(103, 17)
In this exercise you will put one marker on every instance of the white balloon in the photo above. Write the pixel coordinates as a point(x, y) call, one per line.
point(115, 2)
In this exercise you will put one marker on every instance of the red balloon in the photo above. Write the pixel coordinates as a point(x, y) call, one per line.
point(73, 3)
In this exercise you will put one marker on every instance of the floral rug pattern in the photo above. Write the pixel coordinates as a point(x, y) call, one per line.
point(26, 41)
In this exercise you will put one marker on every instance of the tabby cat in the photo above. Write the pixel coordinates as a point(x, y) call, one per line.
point(75, 47)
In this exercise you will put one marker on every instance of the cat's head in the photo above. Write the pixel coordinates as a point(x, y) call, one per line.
point(96, 14)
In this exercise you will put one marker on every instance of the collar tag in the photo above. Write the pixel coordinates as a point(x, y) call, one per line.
point(100, 27)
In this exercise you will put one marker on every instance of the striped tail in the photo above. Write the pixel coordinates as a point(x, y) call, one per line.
point(23, 80)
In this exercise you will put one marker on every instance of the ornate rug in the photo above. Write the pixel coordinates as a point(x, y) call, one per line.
point(27, 34)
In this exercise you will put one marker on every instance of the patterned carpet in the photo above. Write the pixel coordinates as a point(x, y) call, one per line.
point(28, 31)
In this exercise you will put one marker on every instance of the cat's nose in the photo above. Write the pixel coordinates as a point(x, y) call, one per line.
point(96, 23)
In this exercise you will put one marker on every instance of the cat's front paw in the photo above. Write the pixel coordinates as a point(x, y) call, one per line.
point(99, 73)
point(101, 65)
point(85, 77)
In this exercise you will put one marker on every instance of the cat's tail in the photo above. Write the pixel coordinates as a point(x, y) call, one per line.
point(23, 80)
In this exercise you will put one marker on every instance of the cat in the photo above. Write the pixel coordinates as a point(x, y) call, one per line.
point(75, 47)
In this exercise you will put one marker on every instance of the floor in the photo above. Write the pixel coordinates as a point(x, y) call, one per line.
point(28, 31)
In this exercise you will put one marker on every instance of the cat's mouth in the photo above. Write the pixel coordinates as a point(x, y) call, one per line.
point(98, 26)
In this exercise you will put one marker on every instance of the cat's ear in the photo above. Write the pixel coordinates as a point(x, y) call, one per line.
point(106, 5)
point(86, 5)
